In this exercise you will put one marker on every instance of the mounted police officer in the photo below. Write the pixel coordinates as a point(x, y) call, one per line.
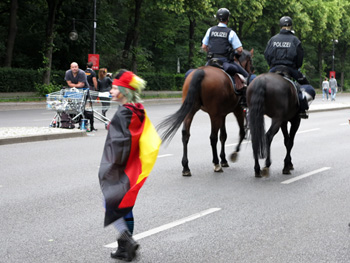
point(284, 53)
point(222, 43)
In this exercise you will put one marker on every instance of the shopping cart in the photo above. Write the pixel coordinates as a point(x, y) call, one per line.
point(77, 103)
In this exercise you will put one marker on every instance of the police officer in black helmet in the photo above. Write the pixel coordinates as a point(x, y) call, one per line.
point(285, 49)
point(222, 42)
point(285, 53)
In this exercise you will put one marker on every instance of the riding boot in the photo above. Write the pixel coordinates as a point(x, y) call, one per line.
point(243, 99)
point(128, 247)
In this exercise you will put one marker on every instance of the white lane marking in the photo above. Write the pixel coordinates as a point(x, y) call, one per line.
point(343, 124)
point(305, 175)
point(168, 226)
point(164, 155)
point(234, 144)
point(309, 130)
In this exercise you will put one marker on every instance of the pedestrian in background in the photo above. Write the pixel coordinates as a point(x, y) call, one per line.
point(325, 88)
point(104, 85)
point(333, 85)
point(91, 76)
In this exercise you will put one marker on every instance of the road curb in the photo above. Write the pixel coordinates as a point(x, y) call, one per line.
point(42, 137)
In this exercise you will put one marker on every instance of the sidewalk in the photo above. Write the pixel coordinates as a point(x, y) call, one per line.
point(10, 135)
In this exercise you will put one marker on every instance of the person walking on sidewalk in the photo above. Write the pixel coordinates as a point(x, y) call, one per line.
point(130, 151)
point(325, 88)
point(333, 85)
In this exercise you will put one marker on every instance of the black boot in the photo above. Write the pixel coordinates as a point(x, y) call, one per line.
point(127, 247)
point(120, 253)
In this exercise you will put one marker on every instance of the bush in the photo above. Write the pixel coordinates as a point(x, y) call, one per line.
point(44, 89)
point(26, 80)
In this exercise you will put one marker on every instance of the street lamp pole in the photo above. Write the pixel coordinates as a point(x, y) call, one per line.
point(94, 32)
point(73, 35)
point(335, 41)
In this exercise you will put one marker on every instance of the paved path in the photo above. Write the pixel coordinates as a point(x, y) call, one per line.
point(9, 135)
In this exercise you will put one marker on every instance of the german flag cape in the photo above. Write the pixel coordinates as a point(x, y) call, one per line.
point(129, 154)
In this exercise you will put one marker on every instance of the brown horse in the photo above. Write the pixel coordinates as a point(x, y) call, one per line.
point(211, 90)
point(275, 96)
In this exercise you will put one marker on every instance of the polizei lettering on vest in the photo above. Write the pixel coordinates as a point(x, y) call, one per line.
point(282, 44)
point(219, 34)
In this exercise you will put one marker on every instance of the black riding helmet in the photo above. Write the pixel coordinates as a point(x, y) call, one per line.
point(222, 14)
point(286, 21)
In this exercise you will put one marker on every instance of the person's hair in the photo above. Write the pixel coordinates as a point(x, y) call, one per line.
point(119, 73)
point(89, 64)
point(325, 78)
point(102, 73)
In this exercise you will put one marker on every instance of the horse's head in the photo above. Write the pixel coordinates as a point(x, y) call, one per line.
point(246, 60)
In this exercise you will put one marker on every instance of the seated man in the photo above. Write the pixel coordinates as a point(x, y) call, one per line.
point(76, 78)
point(284, 50)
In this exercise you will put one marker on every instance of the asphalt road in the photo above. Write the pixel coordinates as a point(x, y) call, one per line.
point(51, 205)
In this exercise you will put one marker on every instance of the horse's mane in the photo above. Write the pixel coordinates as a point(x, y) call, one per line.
point(245, 53)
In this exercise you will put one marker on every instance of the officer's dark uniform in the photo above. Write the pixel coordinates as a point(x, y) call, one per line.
point(284, 49)
point(220, 47)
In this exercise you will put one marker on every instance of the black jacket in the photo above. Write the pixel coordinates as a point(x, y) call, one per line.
point(284, 49)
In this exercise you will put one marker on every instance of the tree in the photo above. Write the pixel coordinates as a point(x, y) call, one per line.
point(53, 8)
point(11, 33)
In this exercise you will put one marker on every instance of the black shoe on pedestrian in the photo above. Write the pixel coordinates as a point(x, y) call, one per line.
point(127, 249)
point(120, 253)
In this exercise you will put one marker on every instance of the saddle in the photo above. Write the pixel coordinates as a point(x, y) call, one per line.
point(238, 79)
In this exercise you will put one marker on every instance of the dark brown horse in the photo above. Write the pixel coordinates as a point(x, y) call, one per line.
point(211, 90)
point(275, 96)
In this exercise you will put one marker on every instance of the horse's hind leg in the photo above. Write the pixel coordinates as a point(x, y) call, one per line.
point(223, 137)
point(289, 143)
point(216, 123)
point(242, 132)
point(185, 139)
point(275, 125)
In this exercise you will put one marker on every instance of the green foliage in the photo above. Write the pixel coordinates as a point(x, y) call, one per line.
point(44, 89)
point(158, 81)
point(18, 80)
point(164, 36)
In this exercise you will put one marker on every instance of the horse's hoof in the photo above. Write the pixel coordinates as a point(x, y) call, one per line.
point(186, 173)
point(224, 164)
point(218, 168)
point(258, 175)
point(286, 171)
point(234, 157)
point(265, 172)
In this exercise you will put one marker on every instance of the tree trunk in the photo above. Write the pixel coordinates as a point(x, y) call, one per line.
point(191, 41)
point(53, 6)
point(11, 33)
point(138, 4)
point(320, 64)
point(342, 65)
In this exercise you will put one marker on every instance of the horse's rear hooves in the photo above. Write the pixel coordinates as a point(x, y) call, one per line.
point(286, 171)
point(218, 168)
point(265, 172)
point(186, 173)
point(258, 175)
point(224, 165)
point(234, 157)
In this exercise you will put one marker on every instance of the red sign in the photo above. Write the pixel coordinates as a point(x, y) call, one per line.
point(332, 73)
point(95, 59)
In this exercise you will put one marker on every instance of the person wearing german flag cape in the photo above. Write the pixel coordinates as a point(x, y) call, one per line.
point(130, 151)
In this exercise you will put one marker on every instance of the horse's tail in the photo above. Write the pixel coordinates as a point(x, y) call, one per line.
point(256, 117)
point(172, 123)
